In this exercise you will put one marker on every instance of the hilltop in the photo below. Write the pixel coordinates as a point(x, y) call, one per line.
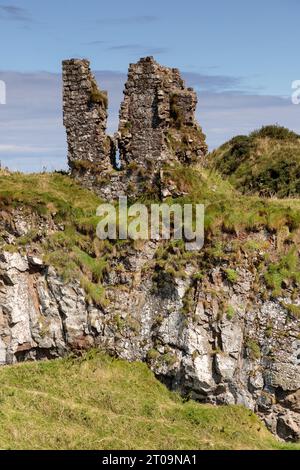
point(266, 162)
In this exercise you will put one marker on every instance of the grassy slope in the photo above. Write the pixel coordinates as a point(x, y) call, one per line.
point(76, 251)
point(100, 403)
point(266, 162)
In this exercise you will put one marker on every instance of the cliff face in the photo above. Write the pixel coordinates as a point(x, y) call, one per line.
point(266, 162)
point(248, 354)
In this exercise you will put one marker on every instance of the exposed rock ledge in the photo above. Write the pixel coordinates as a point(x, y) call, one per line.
point(252, 359)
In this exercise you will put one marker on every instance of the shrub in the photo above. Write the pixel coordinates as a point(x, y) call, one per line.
point(266, 162)
point(275, 132)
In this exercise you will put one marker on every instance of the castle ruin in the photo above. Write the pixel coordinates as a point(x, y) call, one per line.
point(157, 127)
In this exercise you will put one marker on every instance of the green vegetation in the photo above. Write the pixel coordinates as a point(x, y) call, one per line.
point(265, 162)
point(294, 310)
point(96, 402)
point(74, 250)
point(94, 292)
point(232, 221)
point(285, 271)
point(98, 96)
point(171, 258)
point(231, 275)
point(226, 210)
point(276, 132)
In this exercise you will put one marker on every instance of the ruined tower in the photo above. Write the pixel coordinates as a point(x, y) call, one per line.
point(157, 128)
point(157, 118)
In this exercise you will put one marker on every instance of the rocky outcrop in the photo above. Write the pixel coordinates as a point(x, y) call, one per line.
point(247, 355)
point(157, 127)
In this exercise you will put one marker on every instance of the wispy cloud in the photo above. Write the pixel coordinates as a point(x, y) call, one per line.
point(94, 43)
point(216, 83)
point(138, 48)
point(14, 13)
point(144, 19)
point(124, 47)
point(11, 148)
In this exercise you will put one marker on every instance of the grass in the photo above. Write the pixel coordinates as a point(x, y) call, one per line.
point(230, 312)
point(48, 193)
point(286, 270)
point(98, 96)
point(226, 209)
point(231, 275)
point(96, 402)
point(240, 222)
point(266, 162)
point(294, 310)
point(254, 349)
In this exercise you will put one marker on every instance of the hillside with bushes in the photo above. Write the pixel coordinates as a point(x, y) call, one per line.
point(267, 162)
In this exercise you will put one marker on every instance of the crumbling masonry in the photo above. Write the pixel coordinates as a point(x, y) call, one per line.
point(157, 128)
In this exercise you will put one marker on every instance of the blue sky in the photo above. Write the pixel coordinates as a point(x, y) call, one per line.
point(240, 56)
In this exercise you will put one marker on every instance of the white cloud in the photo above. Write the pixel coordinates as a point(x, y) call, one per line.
point(225, 115)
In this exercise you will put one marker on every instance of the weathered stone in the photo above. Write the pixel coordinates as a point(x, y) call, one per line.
point(225, 366)
point(292, 401)
point(34, 261)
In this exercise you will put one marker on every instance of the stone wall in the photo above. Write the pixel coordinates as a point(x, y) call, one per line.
point(90, 149)
point(157, 109)
point(157, 127)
